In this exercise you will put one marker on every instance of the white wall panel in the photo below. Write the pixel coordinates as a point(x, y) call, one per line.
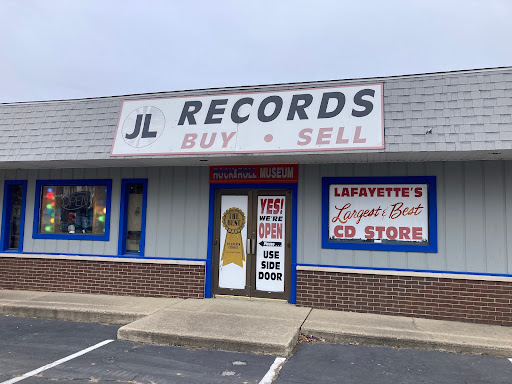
point(507, 168)
point(474, 207)
point(495, 219)
point(177, 210)
point(454, 225)
point(474, 223)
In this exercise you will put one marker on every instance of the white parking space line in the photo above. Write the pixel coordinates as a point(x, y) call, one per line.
point(272, 372)
point(63, 360)
point(510, 360)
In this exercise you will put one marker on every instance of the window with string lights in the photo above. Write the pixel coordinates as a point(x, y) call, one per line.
point(73, 209)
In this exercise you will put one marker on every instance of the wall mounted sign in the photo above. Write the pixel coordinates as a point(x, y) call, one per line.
point(275, 173)
point(380, 213)
point(316, 119)
point(271, 242)
point(233, 237)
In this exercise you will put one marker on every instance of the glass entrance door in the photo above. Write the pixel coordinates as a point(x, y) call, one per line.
point(252, 243)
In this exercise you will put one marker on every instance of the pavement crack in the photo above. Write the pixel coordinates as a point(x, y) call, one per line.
point(135, 376)
point(305, 318)
point(166, 307)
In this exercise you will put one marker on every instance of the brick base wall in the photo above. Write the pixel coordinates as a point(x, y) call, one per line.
point(477, 301)
point(102, 277)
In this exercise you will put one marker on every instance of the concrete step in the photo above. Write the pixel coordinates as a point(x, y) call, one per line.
point(225, 324)
point(117, 310)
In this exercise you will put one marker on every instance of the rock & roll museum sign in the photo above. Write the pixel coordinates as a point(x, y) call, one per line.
point(276, 173)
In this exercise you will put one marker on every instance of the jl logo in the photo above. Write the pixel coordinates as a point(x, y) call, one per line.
point(143, 126)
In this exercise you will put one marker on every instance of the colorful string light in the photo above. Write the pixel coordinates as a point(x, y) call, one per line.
point(50, 209)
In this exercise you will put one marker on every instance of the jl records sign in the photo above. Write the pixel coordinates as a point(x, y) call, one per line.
point(316, 119)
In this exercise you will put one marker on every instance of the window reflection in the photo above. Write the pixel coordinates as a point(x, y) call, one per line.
point(70, 209)
point(16, 198)
point(134, 217)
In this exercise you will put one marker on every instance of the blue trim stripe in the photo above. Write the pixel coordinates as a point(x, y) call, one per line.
point(6, 215)
point(77, 236)
point(123, 217)
point(432, 213)
point(407, 270)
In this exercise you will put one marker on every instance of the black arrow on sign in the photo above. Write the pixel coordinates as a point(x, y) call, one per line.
point(270, 243)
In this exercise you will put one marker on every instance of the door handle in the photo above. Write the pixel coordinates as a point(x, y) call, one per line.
point(250, 247)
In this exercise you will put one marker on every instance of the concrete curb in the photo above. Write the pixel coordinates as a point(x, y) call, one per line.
point(78, 315)
point(393, 342)
point(88, 308)
point(195, 342)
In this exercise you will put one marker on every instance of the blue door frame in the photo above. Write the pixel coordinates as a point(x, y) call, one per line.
point(209, 261)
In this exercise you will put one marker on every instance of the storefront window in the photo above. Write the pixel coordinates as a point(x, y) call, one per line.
point(13, 216)
point(133, 217)
point(16, 196)
point(133, 227)
point(74, 210)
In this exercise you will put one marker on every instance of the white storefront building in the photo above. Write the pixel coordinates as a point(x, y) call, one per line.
point(387, 195)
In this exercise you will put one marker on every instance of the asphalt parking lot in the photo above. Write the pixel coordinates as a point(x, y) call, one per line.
point(29, 344)
point(329, 363)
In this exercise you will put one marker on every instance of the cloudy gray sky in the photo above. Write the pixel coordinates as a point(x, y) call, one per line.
point(84, 48)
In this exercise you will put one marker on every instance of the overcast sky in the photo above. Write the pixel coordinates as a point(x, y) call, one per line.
point(85, 48)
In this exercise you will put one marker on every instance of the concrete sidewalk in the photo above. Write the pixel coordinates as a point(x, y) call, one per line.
point(253, 326)
point(409, 332)
point(118, 310)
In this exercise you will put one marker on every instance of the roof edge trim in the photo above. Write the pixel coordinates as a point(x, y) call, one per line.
point(258, 87)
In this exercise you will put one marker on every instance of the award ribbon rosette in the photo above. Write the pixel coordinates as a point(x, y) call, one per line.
point(233, 220)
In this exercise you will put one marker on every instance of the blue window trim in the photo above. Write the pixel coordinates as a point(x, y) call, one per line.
point(209, 261)
point(6, 213)
point(432, 213)
point(76, 236)
point(123, 217)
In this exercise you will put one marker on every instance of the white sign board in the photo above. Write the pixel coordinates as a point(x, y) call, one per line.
point(396, 213)
point(270, 254)
point(316, 119)
point(233, 237)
